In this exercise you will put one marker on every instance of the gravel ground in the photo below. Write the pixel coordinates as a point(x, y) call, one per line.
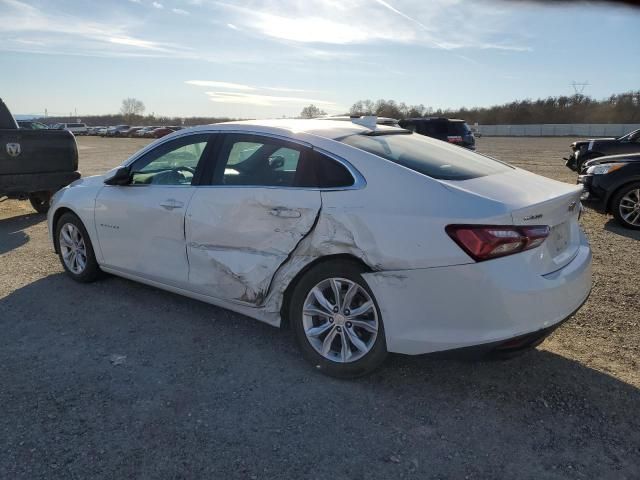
point(119, 380)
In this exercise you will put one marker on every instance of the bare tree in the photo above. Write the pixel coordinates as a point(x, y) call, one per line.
point(131, 108)
point(312, 111)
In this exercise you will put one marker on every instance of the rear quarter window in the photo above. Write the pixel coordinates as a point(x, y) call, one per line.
point(320, 171)
point(459, 128)
point(428, 157)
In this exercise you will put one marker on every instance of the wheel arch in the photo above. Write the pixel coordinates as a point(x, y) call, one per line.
point(286, 296)
point(614, 191)
point(59, 212)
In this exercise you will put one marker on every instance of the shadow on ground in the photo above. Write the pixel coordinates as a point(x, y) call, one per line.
point(614, 227)
point(118, 380)
point(12, 234)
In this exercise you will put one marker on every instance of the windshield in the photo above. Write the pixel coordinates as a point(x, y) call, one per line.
point(427, 156)
point(630, 136)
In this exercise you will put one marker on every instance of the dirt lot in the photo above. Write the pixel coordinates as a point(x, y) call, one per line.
point(119, 380)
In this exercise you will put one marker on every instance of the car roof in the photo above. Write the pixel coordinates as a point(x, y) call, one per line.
point(331, 129)
point(432, 119)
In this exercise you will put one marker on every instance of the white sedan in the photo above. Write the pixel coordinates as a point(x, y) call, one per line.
point(363, 240)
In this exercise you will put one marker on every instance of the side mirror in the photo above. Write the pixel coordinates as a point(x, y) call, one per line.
point(122, 176)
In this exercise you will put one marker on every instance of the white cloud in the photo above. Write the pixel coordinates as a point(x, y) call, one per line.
point(442, 24)
point(97, 38)
point(284, 89)
point(263, 100)
point(241, 95)
point(179, 11)
point(216, 84)
point(158, 5)
point(232, 26)
point(239, 86)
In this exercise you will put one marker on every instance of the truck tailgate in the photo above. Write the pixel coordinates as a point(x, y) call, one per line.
point(37, 151)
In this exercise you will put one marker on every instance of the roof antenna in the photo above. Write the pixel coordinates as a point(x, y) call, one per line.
point(367, 121)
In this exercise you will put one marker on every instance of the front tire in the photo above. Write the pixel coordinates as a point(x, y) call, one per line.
point(40, 201)
point(625, 206)
point(336, 320)
point(75, 249)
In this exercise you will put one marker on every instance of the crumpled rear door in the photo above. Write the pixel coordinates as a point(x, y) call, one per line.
point(237, 238)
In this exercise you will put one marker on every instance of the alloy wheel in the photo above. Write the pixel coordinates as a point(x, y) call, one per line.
point(630, 207)
point(73, 248)
point(340, 320)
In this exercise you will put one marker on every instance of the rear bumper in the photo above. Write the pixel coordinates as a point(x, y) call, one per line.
point(477, 304)
point(36, 182)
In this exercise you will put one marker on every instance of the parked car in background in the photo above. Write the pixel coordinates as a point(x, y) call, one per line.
point(446, 129)
point(95, 130)
point(31, 125)
point(162, 131)
point(75, 128)
point(102, 131)
point(584, 150)
point(145, 130)
point(612, 185)
point(131, 132)
point(363, 240)
point(35, 163)
point(117, 131)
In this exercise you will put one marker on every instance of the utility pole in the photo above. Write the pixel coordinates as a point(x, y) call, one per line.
point(578, 87)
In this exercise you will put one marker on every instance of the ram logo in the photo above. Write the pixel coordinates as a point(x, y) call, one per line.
point(13, 149)
point(572, 207)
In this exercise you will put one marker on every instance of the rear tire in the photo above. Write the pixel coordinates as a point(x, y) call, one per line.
point(75, 249)
point(40, 201)
point(625, 206)
point(343, 338)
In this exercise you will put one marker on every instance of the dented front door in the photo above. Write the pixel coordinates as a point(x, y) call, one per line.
point(237, 237)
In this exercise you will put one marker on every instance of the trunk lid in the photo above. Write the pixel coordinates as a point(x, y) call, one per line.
point(534, 200)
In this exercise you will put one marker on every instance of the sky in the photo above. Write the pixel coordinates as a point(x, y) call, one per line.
point(270, 58)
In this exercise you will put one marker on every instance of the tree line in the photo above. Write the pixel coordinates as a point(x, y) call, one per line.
point(618, 108)
point(136, 120)
point(131, 113)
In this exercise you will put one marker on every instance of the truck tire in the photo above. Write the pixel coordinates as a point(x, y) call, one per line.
point(40, 201)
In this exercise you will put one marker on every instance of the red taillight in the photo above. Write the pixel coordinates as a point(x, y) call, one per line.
point(454, 139)
point(483, 242)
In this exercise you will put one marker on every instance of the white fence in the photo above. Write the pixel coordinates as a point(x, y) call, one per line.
point(558, 130)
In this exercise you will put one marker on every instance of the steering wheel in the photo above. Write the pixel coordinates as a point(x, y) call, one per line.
point(184, 167)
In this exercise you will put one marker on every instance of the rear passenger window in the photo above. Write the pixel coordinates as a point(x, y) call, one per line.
point(253, 160)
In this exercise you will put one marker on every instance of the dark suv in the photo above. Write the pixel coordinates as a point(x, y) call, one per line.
point(446, 129)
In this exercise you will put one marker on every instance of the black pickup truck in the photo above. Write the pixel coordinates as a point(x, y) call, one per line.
point(34, 164)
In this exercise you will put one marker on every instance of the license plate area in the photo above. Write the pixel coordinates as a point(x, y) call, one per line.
point(559, 238)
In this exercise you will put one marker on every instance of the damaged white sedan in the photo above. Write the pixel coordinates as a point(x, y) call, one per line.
point(363, 240)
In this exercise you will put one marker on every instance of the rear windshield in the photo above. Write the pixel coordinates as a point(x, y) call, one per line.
point(459, 128)
point(427, 156)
